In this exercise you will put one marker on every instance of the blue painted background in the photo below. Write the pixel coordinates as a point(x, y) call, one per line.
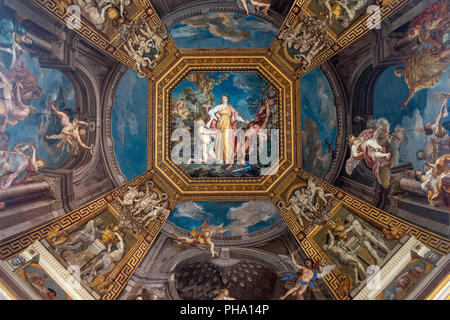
point(223, 30)
point(129, 124)
point(319, 112)
point(44, 122)
point(241, 217)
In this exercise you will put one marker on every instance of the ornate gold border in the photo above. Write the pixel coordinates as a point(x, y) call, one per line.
point(121, 273)
point(159, 138)
point(372, 215)
point(105, 44)
point(355, 31)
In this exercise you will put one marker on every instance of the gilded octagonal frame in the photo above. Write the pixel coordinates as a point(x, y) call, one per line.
point(159, 129)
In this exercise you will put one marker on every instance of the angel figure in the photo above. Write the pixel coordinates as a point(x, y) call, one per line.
point(202, 238)
point(17, 166)
point(70, 132)
point(308, 274)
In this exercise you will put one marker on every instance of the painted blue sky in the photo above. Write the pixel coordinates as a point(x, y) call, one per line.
point(129, 124)
point(223, 30)
point(240, 217)
point(239, 86)
point(318, 121)
point(389, 94)
point(42, 123)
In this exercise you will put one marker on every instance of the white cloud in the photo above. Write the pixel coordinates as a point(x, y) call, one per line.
point(133, 124)
point(414, 140)
point(249, 214)
point(327, 108)
point(242, 104)
point(183, 32)
point(259, 26)
point(120, 128)
point(243, 81)
point(190, 210)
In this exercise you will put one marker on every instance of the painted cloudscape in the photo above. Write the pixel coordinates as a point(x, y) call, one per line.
point(129, 125)
point(223, 30)
point(239, 217)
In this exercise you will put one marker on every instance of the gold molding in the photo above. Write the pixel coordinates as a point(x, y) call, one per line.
point(159, 138)
point(439, 288)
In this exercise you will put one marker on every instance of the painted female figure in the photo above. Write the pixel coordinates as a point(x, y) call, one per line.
point(224, 119)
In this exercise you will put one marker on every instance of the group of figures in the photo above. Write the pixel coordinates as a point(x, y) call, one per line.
point(310, 203)
point(143, 44)
point(18, 88)
point(142, 207)
point(426, 47)
point(427, 62)
point(221, 133)
point(308, 36)
point(94, 250)
point(305, 40)
point(342, 239)
point(222, 125)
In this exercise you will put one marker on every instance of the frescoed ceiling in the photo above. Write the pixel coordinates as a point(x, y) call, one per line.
point(118, 133)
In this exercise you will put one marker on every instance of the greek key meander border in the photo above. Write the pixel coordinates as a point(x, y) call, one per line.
point(122, 275)
point(145, 9)
point(341, 41)
point(381, 219)
point(376, 217)
point(126, 268)
point(372, 214)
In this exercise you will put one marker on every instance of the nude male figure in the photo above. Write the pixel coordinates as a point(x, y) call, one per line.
point(305, 279)
point(71, 131)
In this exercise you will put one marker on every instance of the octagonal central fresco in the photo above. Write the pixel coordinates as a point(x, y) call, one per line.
point(223, 124)
point(213, 107)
